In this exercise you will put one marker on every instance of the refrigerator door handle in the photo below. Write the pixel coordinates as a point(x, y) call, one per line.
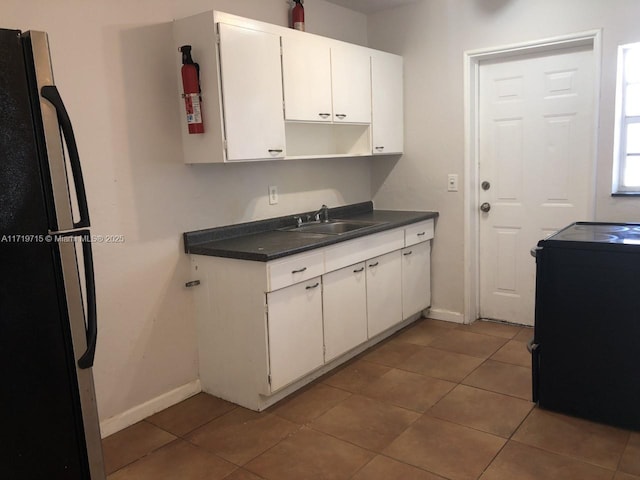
point(50, 93)
point(86, 360)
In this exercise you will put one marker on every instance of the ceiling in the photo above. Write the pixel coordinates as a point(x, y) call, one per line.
point(370, 6)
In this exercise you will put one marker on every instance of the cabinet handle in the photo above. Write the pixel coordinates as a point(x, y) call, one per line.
point(408, 253)
point(379, 148)
point(299, 270)
point(325, 115)
point(358, 270)
point(421, 234)
point(275, 150)
point(341, 115)
point(309, 287)
point(371, 265)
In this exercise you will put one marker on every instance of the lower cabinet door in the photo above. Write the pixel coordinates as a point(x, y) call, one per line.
point(416, 278)
point(384, 292)
point(295, 331)
point(344, 301)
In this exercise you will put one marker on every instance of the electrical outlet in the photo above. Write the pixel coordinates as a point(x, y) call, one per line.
point(273, 195)
point(452, 182)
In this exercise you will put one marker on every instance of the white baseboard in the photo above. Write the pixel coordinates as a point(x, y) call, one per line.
point(142, 411)
point(445, 315)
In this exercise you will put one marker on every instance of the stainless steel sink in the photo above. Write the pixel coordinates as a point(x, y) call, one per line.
point(332, 227)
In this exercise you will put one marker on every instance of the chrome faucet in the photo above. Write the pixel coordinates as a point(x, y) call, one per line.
point(321, 215)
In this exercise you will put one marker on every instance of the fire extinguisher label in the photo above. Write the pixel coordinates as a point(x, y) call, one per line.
point(192, 104)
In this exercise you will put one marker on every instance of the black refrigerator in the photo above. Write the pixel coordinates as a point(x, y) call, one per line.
point(586, 345)
point(48, 417)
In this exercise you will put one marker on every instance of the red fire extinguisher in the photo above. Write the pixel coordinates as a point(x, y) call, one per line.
point(191, 86)
point(297, 15)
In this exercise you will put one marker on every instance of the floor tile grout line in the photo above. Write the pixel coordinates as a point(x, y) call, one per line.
point(380, 454)
point(150, 452)
point(252, 458)
point(184, 438)
point(244, 466)
point(626, 445)
point(315, 429)
point(493, 458)
point(474, 428)
point(563, 455)
point(457, 382)
point(184, 435)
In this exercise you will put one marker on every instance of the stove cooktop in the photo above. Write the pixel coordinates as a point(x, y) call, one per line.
point(625, 233)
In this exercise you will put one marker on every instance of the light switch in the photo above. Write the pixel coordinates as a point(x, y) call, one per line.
point(452, 182)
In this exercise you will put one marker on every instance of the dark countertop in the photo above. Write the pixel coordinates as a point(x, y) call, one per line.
point(261, 241)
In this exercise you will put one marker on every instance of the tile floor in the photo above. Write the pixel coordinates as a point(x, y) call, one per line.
point(435, 401)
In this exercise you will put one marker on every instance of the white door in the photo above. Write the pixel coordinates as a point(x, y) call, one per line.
point(386, 103)
point(536, 123)
point(344, 307)
point(416, 278)
point(252, 93)
point(306, 77)
point(384, 292)
point(295, 331)
point(351, 84)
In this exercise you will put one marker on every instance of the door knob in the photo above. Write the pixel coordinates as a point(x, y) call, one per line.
point(485, 185)
point(485, 207)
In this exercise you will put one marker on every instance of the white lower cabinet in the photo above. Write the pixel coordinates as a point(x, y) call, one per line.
point(267, 328)
point(384, 292)
point(344, 302)
point(294, 326)
point(416, 278)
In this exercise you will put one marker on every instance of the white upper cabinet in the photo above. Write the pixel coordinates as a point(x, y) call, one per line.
point(270, 92)
point(251, 93)
point(351, 83)
point(325, 80)
point(306, 78)
point(387, 103)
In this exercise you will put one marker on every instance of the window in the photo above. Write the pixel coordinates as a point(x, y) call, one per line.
point(627, 169)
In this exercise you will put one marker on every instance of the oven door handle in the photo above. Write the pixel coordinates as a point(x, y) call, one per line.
point(534, 349)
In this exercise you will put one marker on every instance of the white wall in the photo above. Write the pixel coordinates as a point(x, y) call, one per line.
point(432, 36)
point(114, 65)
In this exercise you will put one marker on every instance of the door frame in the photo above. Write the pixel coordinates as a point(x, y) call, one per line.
point(472, 62)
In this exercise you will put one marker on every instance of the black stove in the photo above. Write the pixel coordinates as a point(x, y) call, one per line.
point(586, 358)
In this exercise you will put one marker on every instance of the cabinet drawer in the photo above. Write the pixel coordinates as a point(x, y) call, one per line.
point(294, 269)
point(418, 232)
point(360, 249)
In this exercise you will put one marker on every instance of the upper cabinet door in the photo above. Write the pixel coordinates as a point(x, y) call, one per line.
point(387, 103)
point(351, 81)
point(306, 76)
point(251, 93)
